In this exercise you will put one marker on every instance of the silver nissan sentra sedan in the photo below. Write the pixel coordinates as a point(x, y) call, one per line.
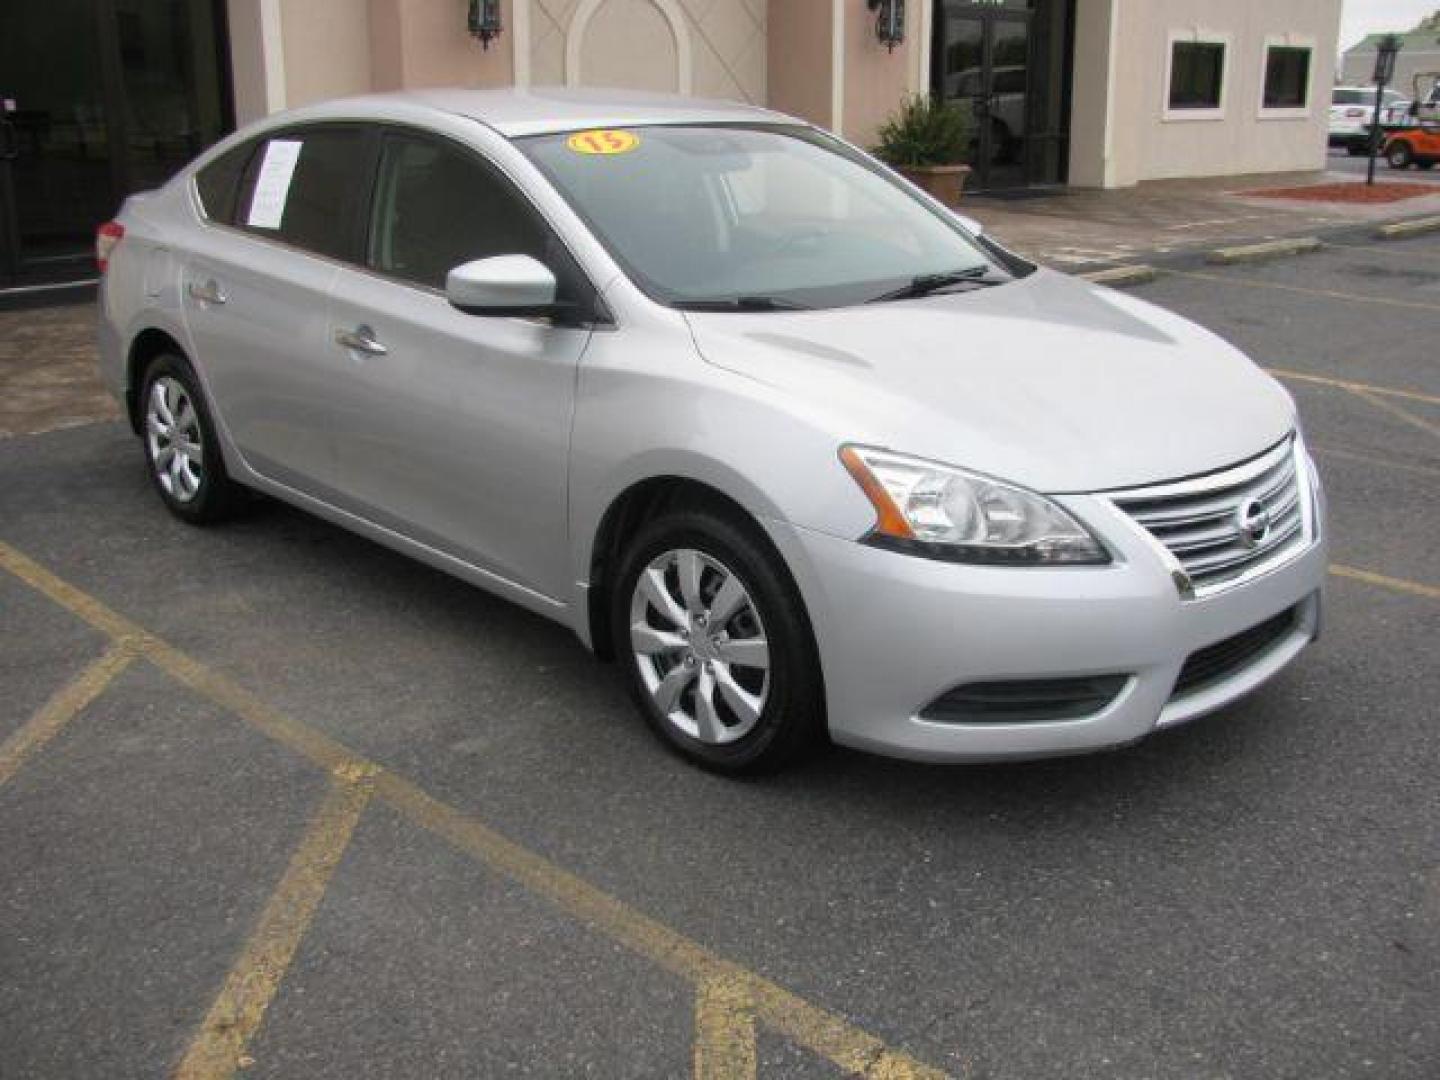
point(801, 449)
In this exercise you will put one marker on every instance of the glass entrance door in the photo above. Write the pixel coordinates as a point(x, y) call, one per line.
point(1003, 62)
point(98, 98)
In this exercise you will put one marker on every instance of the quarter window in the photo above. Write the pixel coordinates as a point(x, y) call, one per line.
point(1197, 74)
point(218, 183)
point(437, 207)
point(307, 187)
point(1287, 77)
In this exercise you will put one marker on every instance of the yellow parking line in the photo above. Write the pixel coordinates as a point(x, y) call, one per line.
point(1400, 585)
point(1354, 387)
point(725, 1047)
point(63, 706)
point(233, 1019)
point(828, 1035)
point(1329, 294)
point(1399, 413)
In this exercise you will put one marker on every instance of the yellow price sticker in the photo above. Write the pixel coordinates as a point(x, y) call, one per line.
point(603, 142)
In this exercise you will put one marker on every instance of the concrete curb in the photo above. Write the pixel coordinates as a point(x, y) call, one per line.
point(1118, 277)
point(1398, 230)
point(1271, 249)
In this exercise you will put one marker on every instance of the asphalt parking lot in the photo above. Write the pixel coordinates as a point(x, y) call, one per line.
point(270, 793)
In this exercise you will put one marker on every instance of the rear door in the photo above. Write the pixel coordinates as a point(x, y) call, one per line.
point(454, 429)
point(255, 284)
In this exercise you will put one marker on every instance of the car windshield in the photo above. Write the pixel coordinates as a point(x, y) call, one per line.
point(757, 217)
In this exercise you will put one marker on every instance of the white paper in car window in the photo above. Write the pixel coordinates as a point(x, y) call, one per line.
point(272, 187)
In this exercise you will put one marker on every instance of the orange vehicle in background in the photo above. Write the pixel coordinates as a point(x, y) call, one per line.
point(1418, 141)
point(1419, 145)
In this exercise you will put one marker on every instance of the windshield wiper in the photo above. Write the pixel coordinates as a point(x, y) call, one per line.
point(926, 284)
point(742, 303)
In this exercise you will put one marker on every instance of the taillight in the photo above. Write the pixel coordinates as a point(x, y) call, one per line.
point(106, 237)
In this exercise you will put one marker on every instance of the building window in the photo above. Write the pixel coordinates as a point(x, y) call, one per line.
point(1197, 75)
point(1287, 78)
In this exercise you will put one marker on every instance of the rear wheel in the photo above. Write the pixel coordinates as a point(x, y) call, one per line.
point(180, 445)
point(715, 645)
point(1399, 155)
point(1427, 164)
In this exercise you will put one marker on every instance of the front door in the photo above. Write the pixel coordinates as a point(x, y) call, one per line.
point(98, 99)
point(452, 429)
point(1003, 62)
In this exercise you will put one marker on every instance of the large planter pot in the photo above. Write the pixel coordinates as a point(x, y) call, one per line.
point(943, 182)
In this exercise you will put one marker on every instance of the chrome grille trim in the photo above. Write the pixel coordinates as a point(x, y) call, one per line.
point(1196, 522)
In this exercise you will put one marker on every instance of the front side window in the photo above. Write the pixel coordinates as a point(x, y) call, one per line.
point(709, 214)
point(436, 207)
point(1287, 77)
point(1197, 74)
point(307, 187)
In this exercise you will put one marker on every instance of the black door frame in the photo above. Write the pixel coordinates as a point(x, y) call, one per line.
point(16, 274)
point(1049, 33)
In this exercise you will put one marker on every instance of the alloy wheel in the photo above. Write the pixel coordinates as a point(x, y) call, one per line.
point(700, 646)
point(172, 434)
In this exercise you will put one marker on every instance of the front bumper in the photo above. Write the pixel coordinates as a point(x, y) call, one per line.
point(896, 631)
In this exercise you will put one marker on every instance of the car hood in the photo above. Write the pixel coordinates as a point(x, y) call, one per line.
point(1049, 382)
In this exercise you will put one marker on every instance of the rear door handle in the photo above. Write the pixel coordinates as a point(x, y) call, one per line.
point(361, 339)
point(207, 293)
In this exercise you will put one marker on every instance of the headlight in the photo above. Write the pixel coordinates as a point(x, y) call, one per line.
point(946, 513)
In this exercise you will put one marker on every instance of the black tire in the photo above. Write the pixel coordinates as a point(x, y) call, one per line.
point(1356, 151)
point(1399, 155)
point(1427, 164)
point(215, 496)
point(792, 720)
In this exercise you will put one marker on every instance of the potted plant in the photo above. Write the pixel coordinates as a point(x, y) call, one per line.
point(926, 142)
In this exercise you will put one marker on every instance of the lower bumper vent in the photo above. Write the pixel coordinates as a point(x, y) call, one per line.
point(1025, 701)
point(1216, 663)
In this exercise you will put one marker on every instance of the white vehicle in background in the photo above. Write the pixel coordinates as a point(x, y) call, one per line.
point(1352, 110)
point(1396, 113)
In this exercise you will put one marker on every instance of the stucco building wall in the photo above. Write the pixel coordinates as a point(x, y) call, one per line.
point(818, 59)
point(1121, 82)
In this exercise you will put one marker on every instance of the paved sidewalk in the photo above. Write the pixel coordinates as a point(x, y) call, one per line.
point(47, 370)
point(1077, 228)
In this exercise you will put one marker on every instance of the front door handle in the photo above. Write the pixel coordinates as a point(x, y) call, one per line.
point(361, 339)
point(208, 292)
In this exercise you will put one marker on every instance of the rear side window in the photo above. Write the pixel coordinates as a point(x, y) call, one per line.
point(218, 183)
point(437, 206)
point(308, 188)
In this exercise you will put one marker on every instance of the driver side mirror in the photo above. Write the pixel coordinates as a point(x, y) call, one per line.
point(503, 285)
point(970, 225)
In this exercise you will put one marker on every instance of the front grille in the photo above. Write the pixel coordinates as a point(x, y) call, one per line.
point(1025, 701)
point(1211, 524)
point(1216, 663)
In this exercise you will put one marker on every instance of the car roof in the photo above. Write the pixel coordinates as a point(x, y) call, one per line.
point(542, 110)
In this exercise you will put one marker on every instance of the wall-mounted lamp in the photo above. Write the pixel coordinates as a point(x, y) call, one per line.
point(889, 21)
point(484, 20)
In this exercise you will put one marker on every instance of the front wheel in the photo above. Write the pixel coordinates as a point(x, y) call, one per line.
point(1399, 156)
point(716, 647)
